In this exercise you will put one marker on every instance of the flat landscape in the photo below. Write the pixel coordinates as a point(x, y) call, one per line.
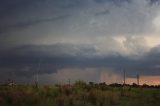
point(80, 94)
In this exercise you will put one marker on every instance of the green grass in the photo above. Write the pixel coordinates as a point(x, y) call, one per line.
point(79, 94)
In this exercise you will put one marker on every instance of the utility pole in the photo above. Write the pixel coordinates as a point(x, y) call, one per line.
point(37, 76)
point(138, 80)
point(69, 82)
point(37, 79)
point(124, 77)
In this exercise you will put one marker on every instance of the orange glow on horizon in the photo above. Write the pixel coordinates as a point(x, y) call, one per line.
point(149, 80)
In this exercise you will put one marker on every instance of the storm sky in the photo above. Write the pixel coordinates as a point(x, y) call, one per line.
point(91, 40)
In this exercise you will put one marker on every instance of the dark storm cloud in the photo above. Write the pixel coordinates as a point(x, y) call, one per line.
point(106, 12)
point(74, 3)
point(11, 6)
point(30, 23)
point(50, 57)
point(54, 57)
point(77, 34)
point(148, 64)
point(14, 14)
point(19, 14)
point(152, 2)
point(116, 2)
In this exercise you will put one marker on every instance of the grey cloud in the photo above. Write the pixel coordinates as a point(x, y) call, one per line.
point(86, 23)
point(154, 2)
point(74, 3)
point(136, 46)
point(117, 2)
point(147, 64)
point(9, 6)
point(135, 19)
point(106, 12)
point(24, 61)
point(51, 57)
point(30, 23)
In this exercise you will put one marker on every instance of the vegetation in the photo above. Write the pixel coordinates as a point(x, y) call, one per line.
point(80, 94)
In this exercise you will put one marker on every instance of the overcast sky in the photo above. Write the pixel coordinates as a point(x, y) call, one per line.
point(91, 40)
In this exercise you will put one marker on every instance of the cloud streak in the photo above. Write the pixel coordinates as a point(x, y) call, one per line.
point(30, 23)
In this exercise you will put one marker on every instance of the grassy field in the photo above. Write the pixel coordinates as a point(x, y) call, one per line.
point(78, 94)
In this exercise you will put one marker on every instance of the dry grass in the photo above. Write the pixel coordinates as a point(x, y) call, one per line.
point(80, 94)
